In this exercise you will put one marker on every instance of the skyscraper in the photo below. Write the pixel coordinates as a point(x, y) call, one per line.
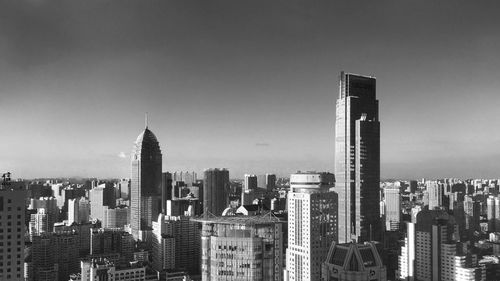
point(392, 208)
point(215, 190)
point(312, 224)
point(145, 184)
point(357, 159)
point(12, 240)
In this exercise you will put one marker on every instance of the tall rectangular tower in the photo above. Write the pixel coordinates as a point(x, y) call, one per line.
point(357, 159)
point(312, 224)
point(12, 237)
point(215, 191)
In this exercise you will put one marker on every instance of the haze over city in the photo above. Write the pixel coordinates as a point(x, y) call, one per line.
point(250, 86)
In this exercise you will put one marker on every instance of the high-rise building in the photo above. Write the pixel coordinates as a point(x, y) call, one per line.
point(215, 191)
point(392, 208)
point(145, 184)
point(406, 261)
point(357, 159)
point(241, 248)
point(101, 198)
point(435, 195)
point(49, 204)
point(12, 227)
point(270, 181)
point(312, 224)
point(105, 241)
point(250, 182)
point(54, 256)
point(104, 269)
point(176, 244)
point(353, 262)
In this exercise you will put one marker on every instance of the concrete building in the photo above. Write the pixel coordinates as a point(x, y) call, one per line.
point(353, 262)
point(357, 159)
point(105, 270)
point(241, 248)
point(12, 229)
point(49, 204)
point(54, 256)
point(101, 198)
point(145, 185)
point(106, 241)
point(406, 260)
point(392, 208)
point(312, 224)
point(435, 194)
point(78, 210)
point(215, 191)
point(176, 244)
point(250, 182)
point(117, 217)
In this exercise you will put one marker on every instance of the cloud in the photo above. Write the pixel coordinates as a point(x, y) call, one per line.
point(122, 155)
point(262, 144)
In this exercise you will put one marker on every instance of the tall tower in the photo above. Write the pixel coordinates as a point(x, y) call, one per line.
point(145, 184)
point(312, 224)
point(215, 190)
point(357, 159)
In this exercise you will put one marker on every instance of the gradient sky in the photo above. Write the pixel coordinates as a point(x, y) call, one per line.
point(247, 85)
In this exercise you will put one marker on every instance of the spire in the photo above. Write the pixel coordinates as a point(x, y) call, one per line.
point(146, 120)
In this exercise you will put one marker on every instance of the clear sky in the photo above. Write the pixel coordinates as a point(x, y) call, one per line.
point(247, 85)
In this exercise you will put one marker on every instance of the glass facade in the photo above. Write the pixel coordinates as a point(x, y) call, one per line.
point(357, 159)
point(145, 184)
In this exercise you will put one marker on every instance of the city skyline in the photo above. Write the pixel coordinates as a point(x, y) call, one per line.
point(225, 87)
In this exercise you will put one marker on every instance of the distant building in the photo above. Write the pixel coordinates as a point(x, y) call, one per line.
point(250, 182)
point(101, 198)
point(145, 185)
point(215, 191)
point(241, 248)
point(312, 223)
point(12, 226)
point(435, 195)
point(357, 159)
point(78, 210)
point(117, 217)
point(392, 208)
point(106, 241)
point(353, 262)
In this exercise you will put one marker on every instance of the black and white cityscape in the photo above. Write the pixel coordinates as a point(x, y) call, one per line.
point(249, 140)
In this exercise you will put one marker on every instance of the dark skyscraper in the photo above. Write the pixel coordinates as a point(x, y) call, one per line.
point(357, 159)
point(215, 190)
point(145, 185)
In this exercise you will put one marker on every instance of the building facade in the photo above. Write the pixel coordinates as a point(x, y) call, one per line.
point(145, 184)
point(241, 248)
point(312, 224)
point(357, 159)
point(353, 262)
point(215, 191)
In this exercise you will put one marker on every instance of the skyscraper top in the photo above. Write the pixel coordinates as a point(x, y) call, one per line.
point(356, 85)
point(146, 136)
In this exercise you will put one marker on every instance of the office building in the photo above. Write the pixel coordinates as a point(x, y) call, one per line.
point(406, 260)
point(49, 204)
point(353, 262)
point(357, 159)
point(105, 270)
point(250, 182)
point(241, 248)
point(101, 198)
point(117, 217)
point(54, 256)
point(145, 185)
point(435, 192)
point(270, 181)
point(215, 191)
point(392, 208)
point(176, 244)
point(12, 229)
point(108, 241)
point(312, 224)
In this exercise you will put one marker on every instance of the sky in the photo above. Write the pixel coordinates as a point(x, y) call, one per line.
point(246, 85)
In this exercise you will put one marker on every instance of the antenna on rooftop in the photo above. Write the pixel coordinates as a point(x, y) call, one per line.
point(146, 120)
